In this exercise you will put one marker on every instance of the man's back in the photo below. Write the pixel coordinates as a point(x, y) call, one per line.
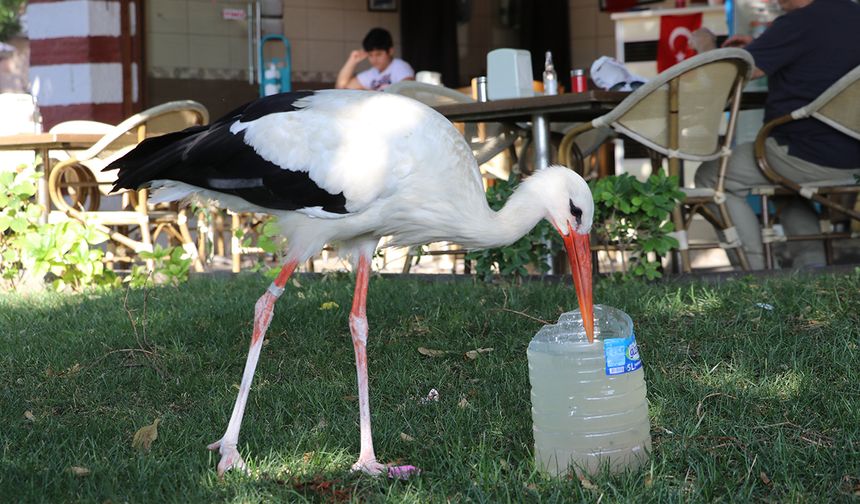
point(803, 53)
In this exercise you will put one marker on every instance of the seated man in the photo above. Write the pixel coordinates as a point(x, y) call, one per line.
point(385, 68)
point(803, 53)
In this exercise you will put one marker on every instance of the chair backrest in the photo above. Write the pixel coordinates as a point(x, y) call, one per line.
point(838, 106)
point(678, 113)
point(164, 118)
point(118, 140)
point(428, 94)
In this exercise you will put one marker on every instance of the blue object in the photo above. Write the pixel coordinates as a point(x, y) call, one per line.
point(283, 66)
point(730, 16)
point(622, 355)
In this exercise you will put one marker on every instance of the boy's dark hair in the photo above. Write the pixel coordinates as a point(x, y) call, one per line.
point(377, 38)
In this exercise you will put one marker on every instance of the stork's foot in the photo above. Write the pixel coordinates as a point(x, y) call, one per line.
point(369, 466)
point(230, 458)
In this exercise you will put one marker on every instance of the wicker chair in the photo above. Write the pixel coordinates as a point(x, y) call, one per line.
point(839, 108)
point(77, 185)
point(678, 115)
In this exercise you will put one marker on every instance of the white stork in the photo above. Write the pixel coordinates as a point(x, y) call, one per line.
point(347, 168)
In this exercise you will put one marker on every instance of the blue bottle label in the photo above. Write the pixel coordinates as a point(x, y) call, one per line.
point(622, 355)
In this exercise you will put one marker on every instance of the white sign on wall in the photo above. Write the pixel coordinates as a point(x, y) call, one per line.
point(233, 14)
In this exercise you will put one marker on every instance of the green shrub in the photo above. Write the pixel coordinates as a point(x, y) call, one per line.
point(59, 254)
point(629, 215)
point(171, 265)
point(514, 260)
point(633, 218)
point(65, 255)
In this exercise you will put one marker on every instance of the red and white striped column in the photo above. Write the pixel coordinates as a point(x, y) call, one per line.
point(76, 53)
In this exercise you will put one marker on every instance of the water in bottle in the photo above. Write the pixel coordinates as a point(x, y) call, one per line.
point(550, 78)
point(588, 399)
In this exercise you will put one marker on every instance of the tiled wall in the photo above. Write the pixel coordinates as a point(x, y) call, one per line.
point(188, 38)
point(323, 32)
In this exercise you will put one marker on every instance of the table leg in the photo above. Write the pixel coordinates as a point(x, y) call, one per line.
point(42, 188)
point(540, 140)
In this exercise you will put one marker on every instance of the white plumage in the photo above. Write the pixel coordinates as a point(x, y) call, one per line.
point(347, 168)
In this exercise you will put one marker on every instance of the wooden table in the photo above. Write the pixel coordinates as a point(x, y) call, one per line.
point(44, 143)
point(543, 110)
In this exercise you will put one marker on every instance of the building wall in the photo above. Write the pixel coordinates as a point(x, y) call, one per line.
point(75, 52)
point(190, 48)
point(323, 32)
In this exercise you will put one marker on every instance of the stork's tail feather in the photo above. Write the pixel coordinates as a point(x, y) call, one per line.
point(153, 157)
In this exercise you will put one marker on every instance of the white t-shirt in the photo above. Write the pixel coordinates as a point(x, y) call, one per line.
point(375, 80)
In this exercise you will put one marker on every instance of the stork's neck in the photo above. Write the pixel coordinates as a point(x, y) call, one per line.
point(523, 210)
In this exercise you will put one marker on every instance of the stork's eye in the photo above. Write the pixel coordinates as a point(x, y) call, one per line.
point(576, 212)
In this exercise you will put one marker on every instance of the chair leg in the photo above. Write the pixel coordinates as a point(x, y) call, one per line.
point(234, 244)
point(767, 228)
point(684, 252)
point(187, 241)
point(407, 265)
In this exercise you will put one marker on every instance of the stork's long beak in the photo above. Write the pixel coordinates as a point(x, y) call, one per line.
point(579, 252)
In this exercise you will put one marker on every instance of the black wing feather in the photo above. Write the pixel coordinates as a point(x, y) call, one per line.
point(211, 157)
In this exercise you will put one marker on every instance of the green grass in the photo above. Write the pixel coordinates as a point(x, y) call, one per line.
point(746, 404)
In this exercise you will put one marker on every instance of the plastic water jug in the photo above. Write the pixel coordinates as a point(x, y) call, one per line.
point(588, 399)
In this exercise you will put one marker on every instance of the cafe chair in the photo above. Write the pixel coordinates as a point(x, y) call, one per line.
point(678, 115)
point(78, 188)
point(839, 108)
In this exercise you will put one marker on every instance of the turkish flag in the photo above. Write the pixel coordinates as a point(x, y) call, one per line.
point(675, 34)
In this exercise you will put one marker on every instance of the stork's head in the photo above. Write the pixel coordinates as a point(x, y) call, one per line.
point(570, 209)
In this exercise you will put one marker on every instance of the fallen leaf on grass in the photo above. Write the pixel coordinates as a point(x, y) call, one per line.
point(586, 484)
point(329, 305)
point(307, 456)
point(296, 283)
point(406, 437)
point(429, 352)
point(649, 480)
point(144, 436)
point(79, 471)
point(473, 354)
point(29, 416)
point(764, 479)
point(71, 370)
point(300, 295)
point(463, 403)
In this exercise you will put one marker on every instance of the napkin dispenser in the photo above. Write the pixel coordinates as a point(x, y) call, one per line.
point(509, 74)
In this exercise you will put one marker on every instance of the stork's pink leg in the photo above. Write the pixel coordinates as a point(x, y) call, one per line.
point(358, 327)
point(226, 446)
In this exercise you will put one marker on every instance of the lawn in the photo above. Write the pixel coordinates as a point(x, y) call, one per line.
point(746, 403)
